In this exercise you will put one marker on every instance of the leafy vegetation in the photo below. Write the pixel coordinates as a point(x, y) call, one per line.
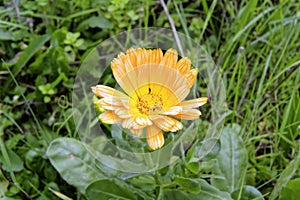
point(256, 46)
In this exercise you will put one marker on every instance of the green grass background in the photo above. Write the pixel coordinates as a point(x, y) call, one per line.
point(256, 45)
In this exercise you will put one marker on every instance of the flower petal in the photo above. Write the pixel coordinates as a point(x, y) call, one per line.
point(193, 103)
point(123, 113)
point(184, 65)
point(173, 110)
point(105, 91)
point(111, 103)
point(170, 58)
point(137, 132)
point(136, 123)
point(109, 117)
point(189, 114)
point(156, 56)
point(191, 77)
point(143, 121)
point(155, 137)
point(142, 56)
point(168, 124)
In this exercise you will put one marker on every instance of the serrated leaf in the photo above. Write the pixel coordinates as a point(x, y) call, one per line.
point(74, 163)
point(231, 165)
point(109, 189)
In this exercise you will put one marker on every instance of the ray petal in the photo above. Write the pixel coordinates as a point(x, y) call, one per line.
point(168, 124)
point(137, 132)
point(105, 91)
point(191, 77)
point(156, 56)
point(132, 123)
point(189, 114)
point(173, 110)
point(155, 137)
point(184, 65)
point(109, 117)
point(123, 113)
point(193, 103)
point(170, 58)
point(143, 121)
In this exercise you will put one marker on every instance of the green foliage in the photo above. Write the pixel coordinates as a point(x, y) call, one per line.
point(291, 191)
point(231, 164)
point(254, 43)
point(109, 189)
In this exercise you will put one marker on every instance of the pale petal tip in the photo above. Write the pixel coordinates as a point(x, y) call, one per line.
point(172, 51)
point(93, 89)
point(204, 99)
point(137, 132)
point(194, 71)
point(156, 142)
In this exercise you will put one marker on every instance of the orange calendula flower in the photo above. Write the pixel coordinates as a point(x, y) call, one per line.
point(155, 86)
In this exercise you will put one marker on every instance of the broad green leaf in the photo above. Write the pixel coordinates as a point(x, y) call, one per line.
point(204, 151)
point(109, 189)
point(248, 193)
point(94, 22)
point(194, 167)
point(16, 164)
point(175, 194)
point(143, 181)
point(32, 48)
point(6, 35)
point(72, 160)
point(285, 176)
point(209, 192)
point(188, 184)
point(291, 191)
point(230, 169)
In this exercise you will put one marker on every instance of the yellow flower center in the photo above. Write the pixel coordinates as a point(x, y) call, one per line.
point(151, 99)
point(150, 104)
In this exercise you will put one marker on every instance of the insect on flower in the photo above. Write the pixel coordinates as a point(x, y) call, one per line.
point(156, 85)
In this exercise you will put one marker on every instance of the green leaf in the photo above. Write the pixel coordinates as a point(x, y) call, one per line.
point(94, 22)
point(291, 191)
point(143, 181)
point(16, 164)
point(285, 176)
point(194, 167)
point(6, 35)
point(34, 160)
point(72, 160)
point(230, 168)
point(188, 184)
point(109, 189)
point(209, 192)
point(248, 193)
point(32, 48)
point(175, 195)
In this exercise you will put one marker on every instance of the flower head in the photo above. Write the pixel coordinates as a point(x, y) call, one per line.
point(155, 86)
